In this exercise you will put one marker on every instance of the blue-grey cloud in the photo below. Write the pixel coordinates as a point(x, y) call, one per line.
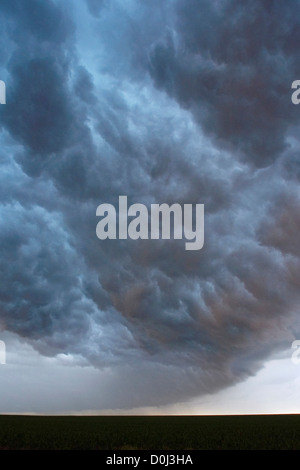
point(162, 103)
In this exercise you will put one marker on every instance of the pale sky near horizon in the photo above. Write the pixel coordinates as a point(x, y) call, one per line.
point(163, 102)
point(33, 384)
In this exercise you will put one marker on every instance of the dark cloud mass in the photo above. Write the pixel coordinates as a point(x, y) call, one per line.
point(232, 65)
point(163, 102)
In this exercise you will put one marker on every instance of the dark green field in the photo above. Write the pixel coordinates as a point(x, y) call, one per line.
point(150, 432)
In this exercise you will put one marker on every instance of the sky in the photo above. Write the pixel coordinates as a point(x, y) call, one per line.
point(169, 101)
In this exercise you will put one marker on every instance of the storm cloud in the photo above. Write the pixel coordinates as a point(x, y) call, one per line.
point(169, 102)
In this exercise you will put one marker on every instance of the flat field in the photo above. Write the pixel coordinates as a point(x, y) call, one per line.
point(150, 432)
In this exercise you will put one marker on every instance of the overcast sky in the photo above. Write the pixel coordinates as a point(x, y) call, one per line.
point(170, 101)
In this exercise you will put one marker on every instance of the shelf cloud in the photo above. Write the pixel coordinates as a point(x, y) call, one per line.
point(164, 102)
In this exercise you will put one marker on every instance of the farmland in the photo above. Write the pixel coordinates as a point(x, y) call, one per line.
point(150, 432)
